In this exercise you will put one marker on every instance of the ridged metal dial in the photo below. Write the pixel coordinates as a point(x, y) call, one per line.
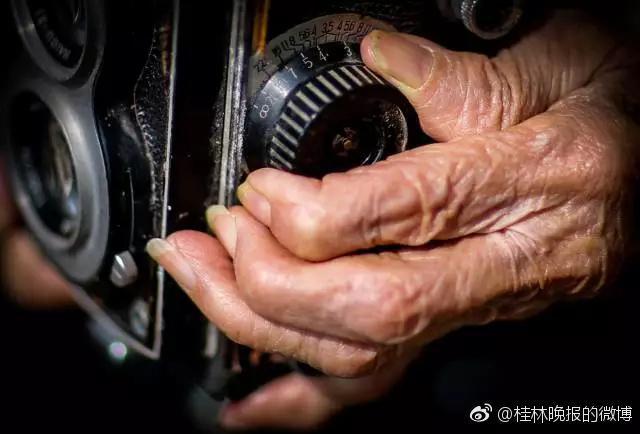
point(308, 103)
point(325, 111)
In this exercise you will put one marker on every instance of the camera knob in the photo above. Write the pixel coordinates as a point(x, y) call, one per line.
point(325, 111)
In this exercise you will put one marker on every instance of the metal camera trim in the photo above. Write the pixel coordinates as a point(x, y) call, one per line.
point(80, 257)
point(94, 10)
point(469, 8)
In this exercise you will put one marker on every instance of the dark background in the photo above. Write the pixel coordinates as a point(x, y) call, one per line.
point(53, 377)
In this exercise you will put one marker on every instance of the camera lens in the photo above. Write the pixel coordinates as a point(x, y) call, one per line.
point(45, 165)
point(61, 27)
point(60, 36)
point(493, 15)
point(489, 19)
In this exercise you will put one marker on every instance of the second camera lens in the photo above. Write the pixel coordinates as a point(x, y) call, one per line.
point(46, 165)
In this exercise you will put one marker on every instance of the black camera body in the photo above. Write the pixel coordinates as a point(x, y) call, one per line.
point(122, 121)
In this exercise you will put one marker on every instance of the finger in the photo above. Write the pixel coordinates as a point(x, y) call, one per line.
point(388, 299)
point(460, 93)
point(293, 402)
point(476, 184)
point(300, 402)
point(442, 192)
point(28, 278)
point(203, 269)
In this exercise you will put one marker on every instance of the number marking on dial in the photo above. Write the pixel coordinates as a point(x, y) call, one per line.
point(292, 72)
point(345, 28)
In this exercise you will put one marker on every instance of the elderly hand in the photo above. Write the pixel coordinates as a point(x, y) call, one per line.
point(521, 203)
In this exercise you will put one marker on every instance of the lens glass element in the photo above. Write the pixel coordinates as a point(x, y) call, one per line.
point(45, 165)
point(62, 28)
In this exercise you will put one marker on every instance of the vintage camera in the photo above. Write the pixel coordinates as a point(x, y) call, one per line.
point(122, 120)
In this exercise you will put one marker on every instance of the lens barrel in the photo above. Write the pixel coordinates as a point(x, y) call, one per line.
point(45, 164)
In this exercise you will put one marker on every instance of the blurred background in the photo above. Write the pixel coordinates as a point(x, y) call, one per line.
point(53, 377)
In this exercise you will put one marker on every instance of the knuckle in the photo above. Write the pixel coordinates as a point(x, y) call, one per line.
point(430, 194)
point(601, 145)
point(246, 334)
point(608, 165)
point(395, 313)
point(600, 265)
point(260, 281)
point(400, 200)
point(306, 231)
point(435, 195)
point(550, 270)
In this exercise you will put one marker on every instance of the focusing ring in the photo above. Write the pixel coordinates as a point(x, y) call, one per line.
point(52, 53)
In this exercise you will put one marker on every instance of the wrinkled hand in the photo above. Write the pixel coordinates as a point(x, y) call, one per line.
point(26, 276)
point(521, 203)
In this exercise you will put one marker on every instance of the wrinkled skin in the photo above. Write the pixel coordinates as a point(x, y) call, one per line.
point(519, 204)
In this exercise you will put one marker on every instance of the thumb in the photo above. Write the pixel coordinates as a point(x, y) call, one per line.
point(461, 93)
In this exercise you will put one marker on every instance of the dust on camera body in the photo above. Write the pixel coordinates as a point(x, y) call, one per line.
point(122, 121)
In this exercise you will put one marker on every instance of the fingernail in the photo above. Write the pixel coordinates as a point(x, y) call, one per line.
point(214, 211)
point(174, 262)
point(223, 225)
point(401, 59)
point(255, 203)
